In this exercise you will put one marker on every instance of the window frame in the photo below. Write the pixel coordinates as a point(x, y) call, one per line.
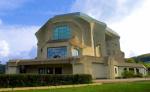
point(61, 32)
point(75, 52)
point(65, 55)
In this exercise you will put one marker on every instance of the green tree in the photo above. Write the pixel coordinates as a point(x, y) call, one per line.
point(130, 60)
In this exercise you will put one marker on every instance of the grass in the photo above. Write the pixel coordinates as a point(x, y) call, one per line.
point(114, 87)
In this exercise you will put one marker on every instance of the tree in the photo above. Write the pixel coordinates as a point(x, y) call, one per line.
point(130, 60)
point(2, 69)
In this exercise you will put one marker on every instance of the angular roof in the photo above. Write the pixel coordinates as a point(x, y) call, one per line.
point(86, 18)
point(89, 19)
point(83, 16)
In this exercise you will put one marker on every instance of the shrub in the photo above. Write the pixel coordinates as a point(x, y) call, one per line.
point(23, 80)
point(127, 74)
point(130, 74)
point(139, 75)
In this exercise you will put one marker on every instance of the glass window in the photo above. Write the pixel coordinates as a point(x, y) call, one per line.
point(49, 70)
point(57, 52)
point(61, 32)
point(116, 71)
point(42, 71)
point(137, 71)
point(131, 69)
point(75, 52)
point(45, 70)
point(22, 69)
point(58, 70)
point(125, 69)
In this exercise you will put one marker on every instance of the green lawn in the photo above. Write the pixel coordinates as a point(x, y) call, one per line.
point(115, 87)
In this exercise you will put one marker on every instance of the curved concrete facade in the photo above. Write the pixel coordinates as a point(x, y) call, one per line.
point(98, 50)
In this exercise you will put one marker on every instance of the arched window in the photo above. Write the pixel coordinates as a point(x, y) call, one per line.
point(61, 32)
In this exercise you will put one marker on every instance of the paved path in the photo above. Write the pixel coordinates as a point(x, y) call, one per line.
point(96, 82)
point(121, 80)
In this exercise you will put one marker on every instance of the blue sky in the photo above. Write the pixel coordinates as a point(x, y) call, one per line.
point(33, 12)
point(20, 19)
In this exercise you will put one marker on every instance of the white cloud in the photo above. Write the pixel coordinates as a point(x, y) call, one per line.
point(135, 30)
point(105, 10)
point(21, 39)
point(130, 18)
point(4, 48)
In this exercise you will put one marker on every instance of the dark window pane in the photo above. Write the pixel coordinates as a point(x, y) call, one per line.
point(137, 71)
point(131, 69)
point(50, 71)
point(58, 70)
point(22, 69)
point(116, 71)
point(125, 69)
point(41, 71)
point(45, 70)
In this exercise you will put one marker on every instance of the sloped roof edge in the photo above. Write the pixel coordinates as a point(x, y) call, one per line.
point(89, 19)
point(85, 17)
point(81, 15)
point(111, 31)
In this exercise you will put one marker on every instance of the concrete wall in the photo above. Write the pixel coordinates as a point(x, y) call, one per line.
point(78, 69)
point(99, 39)
point(92, 65)
point(99, 71)
point(12, 70)
point(121, 70)
point(66, 69)
point(86, 34)
point(143, 71)
point(80, 31)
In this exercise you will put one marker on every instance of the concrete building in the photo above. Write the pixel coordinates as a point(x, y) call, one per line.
point(76, 44)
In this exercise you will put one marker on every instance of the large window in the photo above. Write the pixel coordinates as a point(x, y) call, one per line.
point(57, 52)
point(45, 70)
point(61, 32)
point(50, 70)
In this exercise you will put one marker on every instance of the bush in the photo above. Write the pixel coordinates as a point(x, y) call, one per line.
point(127, 74)
point(24, 80)
point(130, 74)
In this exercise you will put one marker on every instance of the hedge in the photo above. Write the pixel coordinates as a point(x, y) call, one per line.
point(30, 80)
